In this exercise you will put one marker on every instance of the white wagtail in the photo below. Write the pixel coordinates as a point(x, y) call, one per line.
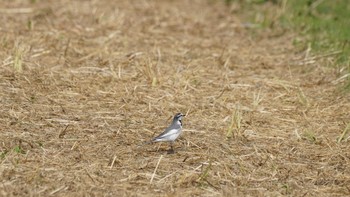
point(171, 133)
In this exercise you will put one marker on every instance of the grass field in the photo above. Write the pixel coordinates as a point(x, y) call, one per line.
point(83, 83)
point(322, 26)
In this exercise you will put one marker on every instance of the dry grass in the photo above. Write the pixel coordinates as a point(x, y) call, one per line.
point(84, 82)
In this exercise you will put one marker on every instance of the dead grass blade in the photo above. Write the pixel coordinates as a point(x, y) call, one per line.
point(344, 134)
point(155, 169)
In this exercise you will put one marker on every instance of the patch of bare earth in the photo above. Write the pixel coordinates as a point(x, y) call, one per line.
point(83, 83)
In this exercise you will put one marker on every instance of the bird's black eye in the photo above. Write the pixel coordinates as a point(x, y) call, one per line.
point(179, 115)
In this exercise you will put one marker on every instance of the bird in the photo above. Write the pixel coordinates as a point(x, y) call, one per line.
point(171, 133)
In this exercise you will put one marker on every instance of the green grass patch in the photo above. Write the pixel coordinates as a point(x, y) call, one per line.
point(323, 25)
point(3, 154)
point(326, 24)
point(18, 149)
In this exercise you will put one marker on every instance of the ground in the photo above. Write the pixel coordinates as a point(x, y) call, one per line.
point(85, 83)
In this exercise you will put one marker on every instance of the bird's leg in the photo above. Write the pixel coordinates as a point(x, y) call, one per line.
point(171, 151)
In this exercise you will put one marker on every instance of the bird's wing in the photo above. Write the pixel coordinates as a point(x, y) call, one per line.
point(168, 131)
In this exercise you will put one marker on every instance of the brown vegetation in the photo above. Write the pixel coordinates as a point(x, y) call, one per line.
point(83, 83)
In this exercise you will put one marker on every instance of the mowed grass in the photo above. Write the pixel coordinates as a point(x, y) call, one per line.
point(323, 26)
point(84, 83)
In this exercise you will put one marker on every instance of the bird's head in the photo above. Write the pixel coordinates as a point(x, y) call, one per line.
point(178, 118)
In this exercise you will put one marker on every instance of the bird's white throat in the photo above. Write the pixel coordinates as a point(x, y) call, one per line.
point(179, 122)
